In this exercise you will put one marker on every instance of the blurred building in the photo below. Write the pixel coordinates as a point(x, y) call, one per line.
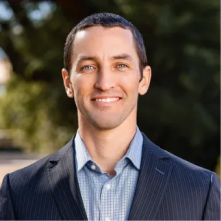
point(11, 156)
point(5, 140)
point(5, 69)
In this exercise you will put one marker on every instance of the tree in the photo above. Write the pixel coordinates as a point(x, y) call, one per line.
point(180, 111)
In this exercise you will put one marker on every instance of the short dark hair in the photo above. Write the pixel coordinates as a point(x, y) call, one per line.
point(107, 20)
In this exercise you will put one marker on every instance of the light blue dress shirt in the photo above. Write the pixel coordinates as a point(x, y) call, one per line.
point(107, 198)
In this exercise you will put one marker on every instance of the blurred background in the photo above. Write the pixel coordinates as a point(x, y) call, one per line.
point(180, 112)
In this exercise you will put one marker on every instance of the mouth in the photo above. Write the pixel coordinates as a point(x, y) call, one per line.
point(106, 100)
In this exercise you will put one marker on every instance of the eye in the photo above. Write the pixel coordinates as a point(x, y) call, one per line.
point(87, 67)
point(121, 66)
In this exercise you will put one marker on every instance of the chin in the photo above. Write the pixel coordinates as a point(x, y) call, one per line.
point(106, 124)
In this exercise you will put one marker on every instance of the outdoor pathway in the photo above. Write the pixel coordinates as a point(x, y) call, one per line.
point(10, 162)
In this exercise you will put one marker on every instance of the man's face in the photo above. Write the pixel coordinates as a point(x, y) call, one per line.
point(105, 76)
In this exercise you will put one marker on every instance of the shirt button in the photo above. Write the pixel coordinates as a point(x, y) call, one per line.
point(107, 219)
point(108, 186)
point(93, 167)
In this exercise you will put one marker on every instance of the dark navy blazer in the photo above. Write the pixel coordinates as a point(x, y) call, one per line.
point(168, 188)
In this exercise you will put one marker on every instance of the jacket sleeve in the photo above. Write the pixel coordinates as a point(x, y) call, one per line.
point(6, 209)
point(212, 208)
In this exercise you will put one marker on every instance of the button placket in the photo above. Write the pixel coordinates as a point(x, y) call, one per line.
point(108, 186)
point(106, 204)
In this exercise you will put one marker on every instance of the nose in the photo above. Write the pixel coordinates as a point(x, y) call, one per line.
point(105, 80)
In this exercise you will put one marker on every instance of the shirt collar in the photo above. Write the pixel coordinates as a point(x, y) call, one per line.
point(81, 154)
point(134, 152)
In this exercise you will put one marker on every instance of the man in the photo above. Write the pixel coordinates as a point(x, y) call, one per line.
point(109, 170)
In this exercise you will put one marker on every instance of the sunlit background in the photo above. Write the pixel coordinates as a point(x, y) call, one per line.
point(181, 111)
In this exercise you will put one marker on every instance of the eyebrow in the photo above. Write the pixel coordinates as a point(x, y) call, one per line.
point(86, 58)
point(122, 57)
point(115, 57)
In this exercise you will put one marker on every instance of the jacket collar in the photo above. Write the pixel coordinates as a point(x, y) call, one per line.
point(152, 182)
point(64, 185)
point(151, 185)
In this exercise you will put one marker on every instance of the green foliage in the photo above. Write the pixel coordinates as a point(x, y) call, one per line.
point(181, 109)
point(28, 109)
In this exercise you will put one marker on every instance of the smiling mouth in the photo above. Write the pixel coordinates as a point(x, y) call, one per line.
point(107, 100)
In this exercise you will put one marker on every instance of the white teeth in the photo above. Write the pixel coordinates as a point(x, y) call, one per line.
point(107, 99)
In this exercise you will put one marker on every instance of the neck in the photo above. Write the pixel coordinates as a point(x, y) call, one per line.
point(107, 147)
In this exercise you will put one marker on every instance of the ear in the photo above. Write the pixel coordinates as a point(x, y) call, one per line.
point(67, 83)
point(145, 82)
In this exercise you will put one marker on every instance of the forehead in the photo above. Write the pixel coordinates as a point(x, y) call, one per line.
point(103, 42)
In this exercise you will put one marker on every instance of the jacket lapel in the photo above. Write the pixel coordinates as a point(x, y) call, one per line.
point(152, 182)
point(64, 184)
point(151, 186)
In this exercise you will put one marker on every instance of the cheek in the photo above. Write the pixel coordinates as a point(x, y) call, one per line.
point(130, 85)
point(82, 81)
point(80, 86)
point(82, 89)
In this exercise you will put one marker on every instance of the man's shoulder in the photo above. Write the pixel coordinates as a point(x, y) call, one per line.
point(39, 168)
point(186, 170)
point(180, 167)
